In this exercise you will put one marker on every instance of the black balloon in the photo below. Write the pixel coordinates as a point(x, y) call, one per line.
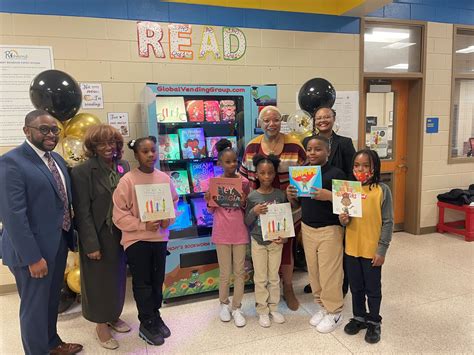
point(56, 92)
point(315, 93)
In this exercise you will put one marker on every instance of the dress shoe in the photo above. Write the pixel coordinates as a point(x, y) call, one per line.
point(66, 348)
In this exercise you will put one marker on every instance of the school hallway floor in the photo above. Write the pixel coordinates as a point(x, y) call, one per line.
point(427, 306)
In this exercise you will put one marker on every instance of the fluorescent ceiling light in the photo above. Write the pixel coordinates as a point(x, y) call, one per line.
point(469, 49)
point(399, 45)
point(398, 66)
point(385, 36)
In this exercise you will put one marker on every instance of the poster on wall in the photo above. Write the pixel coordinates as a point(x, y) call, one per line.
point(19, 65)
point(92, 95)
point(347, 113)
point(379, 140)
point(119, 120)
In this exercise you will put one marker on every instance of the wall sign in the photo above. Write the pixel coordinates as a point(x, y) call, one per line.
point(432, 124)
point(92, 95)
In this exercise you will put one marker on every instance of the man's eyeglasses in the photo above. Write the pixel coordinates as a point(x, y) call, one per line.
point(44, 130)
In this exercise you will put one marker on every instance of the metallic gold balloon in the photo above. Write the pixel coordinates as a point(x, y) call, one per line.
point(300, 136)
point(74, 280)
point(61, 126)
point(73, 148)
point(79, 124)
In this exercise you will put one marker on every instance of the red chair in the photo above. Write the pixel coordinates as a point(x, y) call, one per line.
point(462, 227)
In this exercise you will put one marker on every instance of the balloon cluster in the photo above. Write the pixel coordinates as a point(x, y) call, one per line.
point(59, 94)
point(313, 94)
point(72, 273)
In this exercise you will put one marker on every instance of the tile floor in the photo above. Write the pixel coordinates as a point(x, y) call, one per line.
point(428, 284)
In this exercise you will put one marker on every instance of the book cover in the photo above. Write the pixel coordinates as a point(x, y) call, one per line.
point(304, 178)
point(277, 222)
point(212, 110)
point(180, 181)
point(183, 217)
point(225, 192)
point(347, 197)
point(200, 173)
point(201, 214)
point(195, 110)
point(168, 147)
point(154, 202)
point(170, 109)
point(227, 108)
point(192, 143)
point(218, 170)
point(211, 143)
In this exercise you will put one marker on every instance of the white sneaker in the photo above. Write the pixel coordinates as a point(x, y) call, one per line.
point(264, 320)
point(224, 314)
point(239, 318)
point(277, 317)
point(318, 317)
point(329, 322)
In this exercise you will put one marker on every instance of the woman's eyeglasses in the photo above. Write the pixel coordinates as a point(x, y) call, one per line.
point(44, 130)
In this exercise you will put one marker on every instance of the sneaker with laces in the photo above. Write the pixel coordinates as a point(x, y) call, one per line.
point(277, 317)
point(329, 322)
point(264, 320)
point(354, 326)
point(372, 335)
point(239, 319)
point(150, 333)
point(224, 314)
point(162, 327)
point(318, 317)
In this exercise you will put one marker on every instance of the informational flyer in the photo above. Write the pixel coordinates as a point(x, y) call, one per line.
point(92, 95)
point(19, 66)
point(347, 114)
point(379, 140)
point(119, 120)
point(277, 222)
point(154, 202)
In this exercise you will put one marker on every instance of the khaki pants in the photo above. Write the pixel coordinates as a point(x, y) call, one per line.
point(266, 261)
point(324, 251)
point(231, 258)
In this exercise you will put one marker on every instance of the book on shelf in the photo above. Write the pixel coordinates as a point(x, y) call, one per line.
point(168, 147)
point(225, 192)
point(227, 108)
point(212, 110)
point(183, 217)
point(200, 173)
point(195, 110)
point(170, 109)
point(305, 179)
point(347, 197)
point(154, 202)
point(192, 143)
point(277, 222)
point(180, 181)
point(201, 214)
point(211, 144)
point(218, 170)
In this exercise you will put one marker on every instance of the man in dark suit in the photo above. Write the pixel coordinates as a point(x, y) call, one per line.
point(35, 209)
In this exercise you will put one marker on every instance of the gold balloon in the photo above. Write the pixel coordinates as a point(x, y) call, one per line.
point(73, 148)
point(61, 126)
point(300, 136)
point(74, 280)
point(79, 124)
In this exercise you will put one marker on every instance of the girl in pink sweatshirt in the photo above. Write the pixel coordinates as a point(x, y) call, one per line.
point(145, 243)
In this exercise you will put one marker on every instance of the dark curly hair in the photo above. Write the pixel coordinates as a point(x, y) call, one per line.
point(374, 162)
point(319, 138)
point(135, 143)
point(222, 146)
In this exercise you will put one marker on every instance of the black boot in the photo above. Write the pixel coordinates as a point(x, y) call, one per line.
point(149, 331)
point(162, 327)
point(354, 326)
point(373, 333)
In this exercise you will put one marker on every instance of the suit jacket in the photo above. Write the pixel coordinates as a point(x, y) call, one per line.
point(342, 152)
point(30, 207)
point(92, 199)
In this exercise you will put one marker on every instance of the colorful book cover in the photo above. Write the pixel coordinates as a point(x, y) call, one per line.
point(212, 110)
point(200, 173)
point(304, 178)
point(218, 170)
point(192, 143)
point(227, 110)
point(347, 197)
point(211, 143)
point(170, 109)
point(195, 109)
point(277, 222)
point(168, 147)
point(180, 181)
point(183, 217)
point(154, 202)
point(225, 192)
point(201, 214)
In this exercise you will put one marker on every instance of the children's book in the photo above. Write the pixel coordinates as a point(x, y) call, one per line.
point(195, 110)
point(227, 110)
point(277, 222)
point(211, 144)
point(154, 202)
point(192, 143)
point(200, 173)
point(168, 147)
point(212, 110)
point(170, 109)
point(218, 170)
point(201, 214)
point(225, 192)
point(183, 217)
point(305, 178)
point(180, 181)
point(347, 197)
